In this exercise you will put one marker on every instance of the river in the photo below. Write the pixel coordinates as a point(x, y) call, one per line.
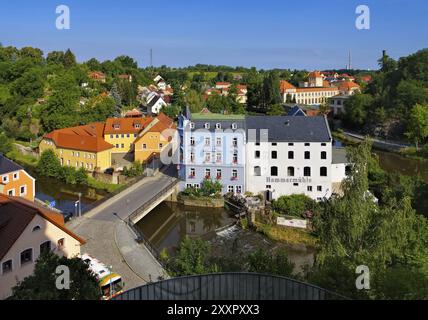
point(170, 223)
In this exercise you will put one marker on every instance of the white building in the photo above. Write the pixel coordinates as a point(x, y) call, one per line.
point(289, 155)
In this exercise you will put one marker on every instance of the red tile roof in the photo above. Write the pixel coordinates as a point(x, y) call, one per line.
point(15, 215)
point(126, 125)
point(85, 138)
point(285, 85)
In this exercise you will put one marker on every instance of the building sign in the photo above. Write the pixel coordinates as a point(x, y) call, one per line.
point(288, 180)
point(296, 223)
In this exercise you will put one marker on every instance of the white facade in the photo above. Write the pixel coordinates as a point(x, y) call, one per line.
point(286, 168)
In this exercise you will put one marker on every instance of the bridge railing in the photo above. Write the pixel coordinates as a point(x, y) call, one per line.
point(152, 200)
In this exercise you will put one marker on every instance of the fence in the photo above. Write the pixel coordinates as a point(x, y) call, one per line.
point(229, 286)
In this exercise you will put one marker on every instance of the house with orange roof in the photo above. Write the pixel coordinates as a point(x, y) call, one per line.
point(80, 147)
point(121, 134)
point(155, 138)
point(27, 230)
point(348, 88)
point(306, 95)
point(100, 146)
point(97, 76)
point(15, 181)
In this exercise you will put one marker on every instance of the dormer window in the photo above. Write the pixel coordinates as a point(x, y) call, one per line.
point(218, 126)
point(234, 126)
point(192, 125)
point(116, 126)
point(207, 125)
point(137, 125)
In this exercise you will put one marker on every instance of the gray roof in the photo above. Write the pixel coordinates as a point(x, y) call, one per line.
point(7, 165)
point(290, 129)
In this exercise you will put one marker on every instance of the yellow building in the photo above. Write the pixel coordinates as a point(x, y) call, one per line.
point(99, 146)
point(122, 132)
point(153, 140)
point(80, 147)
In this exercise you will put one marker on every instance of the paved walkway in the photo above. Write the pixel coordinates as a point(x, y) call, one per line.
point(387, 144)
point(112, 242)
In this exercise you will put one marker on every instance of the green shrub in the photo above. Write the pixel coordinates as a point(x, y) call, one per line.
point(294, 205)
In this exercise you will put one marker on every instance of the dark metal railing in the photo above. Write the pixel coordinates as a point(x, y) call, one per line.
point(229, 286)
point(152, 200)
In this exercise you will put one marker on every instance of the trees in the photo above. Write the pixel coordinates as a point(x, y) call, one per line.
point(192, 258)
point(356, 108)
point(5, 144)
point(60, 111)
point(276, 110)
point(261, 261)
point(49, 165)
point(195, 101)
point(41, 285)
point(354, 230)
point(30, 85)
point(417, 127)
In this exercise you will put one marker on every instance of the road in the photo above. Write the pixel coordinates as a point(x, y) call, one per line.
point(382, 143)
point(111, 241)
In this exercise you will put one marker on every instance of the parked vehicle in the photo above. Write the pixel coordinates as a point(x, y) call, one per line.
point(110, 283)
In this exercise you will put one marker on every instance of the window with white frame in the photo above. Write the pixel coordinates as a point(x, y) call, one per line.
point(207, 156)
point(238, 189)
point(6, 266)
point(26, 256)
point(23, 191)
point(230, 189)
point(218, 126)
point(218, 141)
point(15, 176)
point(207, 141)
point(5, 179)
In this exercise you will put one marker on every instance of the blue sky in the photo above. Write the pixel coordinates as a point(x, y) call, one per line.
point(312, 34)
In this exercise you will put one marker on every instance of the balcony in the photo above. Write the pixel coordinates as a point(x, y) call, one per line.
point(234, 178)
point(218, 177)
point(191, 176)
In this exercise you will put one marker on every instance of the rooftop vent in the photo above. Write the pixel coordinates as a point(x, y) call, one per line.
point(287, 122)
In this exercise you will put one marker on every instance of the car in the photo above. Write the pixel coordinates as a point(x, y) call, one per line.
point(68, 215)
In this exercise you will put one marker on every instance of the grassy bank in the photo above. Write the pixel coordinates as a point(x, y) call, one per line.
point(283, 234)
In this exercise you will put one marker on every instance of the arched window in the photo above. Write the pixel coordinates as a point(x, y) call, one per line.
point(274, 171)
point(234, 126)
point(218, 126)
point(26, 256)
point(207, 125)
point(257, 171)
point(290, 171)
point(323, 171)
point(307, 171)
point(45, 246)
